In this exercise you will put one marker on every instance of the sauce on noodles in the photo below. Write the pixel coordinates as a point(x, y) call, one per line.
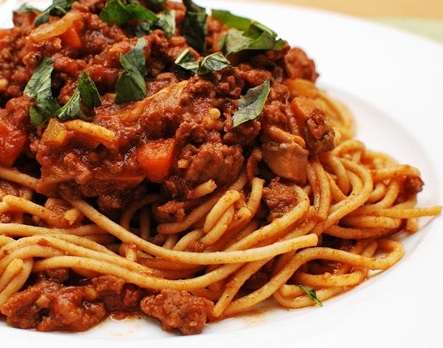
point(160, 158)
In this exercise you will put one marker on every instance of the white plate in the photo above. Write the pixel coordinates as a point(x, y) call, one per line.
point(393, 83)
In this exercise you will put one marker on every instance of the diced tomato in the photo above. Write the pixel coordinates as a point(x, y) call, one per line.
point(72, 38)
point(156, 157)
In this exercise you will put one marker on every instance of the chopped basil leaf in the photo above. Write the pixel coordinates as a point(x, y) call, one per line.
point(246, 34)
point(187, 61)
point(130, 87)
point(263, 37)
point(58, 8)
point(135, 58)
point(43, 110)
point(84, 98)
point(40, 81)
point(39, 87)
point(120, 12)
point(234, 41)
point(166, 22)
point(251, 104)
point(194, 26)
point(131, 84)
point(117, 11)
point(72, 109)
point(255, 38)
point(143, 28)
point(88, 91)
point(231, 20)
point(214, 62)
point(312, 294)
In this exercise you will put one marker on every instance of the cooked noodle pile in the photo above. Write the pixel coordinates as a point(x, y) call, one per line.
point(189, 173)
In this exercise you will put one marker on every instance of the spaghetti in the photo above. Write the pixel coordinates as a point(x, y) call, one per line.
point(159, 204)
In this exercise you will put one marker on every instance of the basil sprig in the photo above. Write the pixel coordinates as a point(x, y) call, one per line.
point(39, 87)
point(213, 62)
point(131, 85)
point(251, 104)
point(246, 34)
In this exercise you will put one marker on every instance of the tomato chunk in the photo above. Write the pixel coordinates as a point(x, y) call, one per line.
point(72, 38)
point(156, 157)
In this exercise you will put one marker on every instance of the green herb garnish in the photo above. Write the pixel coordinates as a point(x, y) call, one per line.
point(213, 62)
point(121, 12)
point(312, 294)
point(39, 87)
point(246, 34)
point(84, 98)
point(166, 22)
point(187, 61)
point(117, 11)
point(131, 85)
point(231, 20)
point(251, 104)
point(194, 26)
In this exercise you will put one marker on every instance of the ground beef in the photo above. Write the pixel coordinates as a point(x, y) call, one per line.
point(319, 134)
point(279, 198)
point(178, 310)
point(298, 65)
point(212, 161)
point(49, 305)
point(13, 74)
